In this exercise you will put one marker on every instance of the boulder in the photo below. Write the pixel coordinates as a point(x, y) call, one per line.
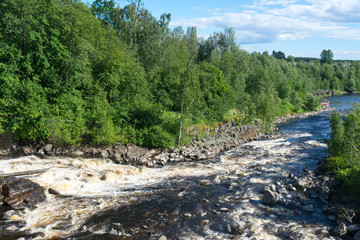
point(21, 192)
point(271, 198)
point(353, 228)
point(48, 148)
point(104, 154)
point(27, 150)
point(340, 229)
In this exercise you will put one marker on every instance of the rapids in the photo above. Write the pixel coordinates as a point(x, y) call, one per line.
point(218, 198)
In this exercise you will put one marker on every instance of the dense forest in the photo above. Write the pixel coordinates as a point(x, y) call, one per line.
point(77, 74)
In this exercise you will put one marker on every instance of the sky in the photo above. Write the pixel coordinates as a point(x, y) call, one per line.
point(302, 28)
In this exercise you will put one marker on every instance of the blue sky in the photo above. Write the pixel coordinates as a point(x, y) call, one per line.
point(296, 27)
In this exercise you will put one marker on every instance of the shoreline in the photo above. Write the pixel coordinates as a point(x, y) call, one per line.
point(224, 137)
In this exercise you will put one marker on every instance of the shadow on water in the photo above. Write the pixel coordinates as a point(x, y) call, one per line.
point(193, 209)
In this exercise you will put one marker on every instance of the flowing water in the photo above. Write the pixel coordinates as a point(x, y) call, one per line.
point(98, 199)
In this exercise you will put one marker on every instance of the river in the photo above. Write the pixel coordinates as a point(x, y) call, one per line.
point(220, 198)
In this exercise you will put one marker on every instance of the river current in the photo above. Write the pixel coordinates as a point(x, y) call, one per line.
point(209, 199)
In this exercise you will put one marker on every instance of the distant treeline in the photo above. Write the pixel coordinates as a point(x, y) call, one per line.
point(74, 74)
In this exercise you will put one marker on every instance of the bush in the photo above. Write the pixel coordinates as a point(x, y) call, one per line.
point(156, 136)
point(311, 103)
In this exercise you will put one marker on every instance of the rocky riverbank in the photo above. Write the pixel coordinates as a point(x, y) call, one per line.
point(296, 193)
point(222, 138)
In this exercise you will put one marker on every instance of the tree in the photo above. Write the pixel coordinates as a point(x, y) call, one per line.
point(278, 55)
point(326, 56)
point(102, 9)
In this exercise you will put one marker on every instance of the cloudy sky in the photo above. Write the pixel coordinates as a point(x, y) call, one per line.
point(296, 27)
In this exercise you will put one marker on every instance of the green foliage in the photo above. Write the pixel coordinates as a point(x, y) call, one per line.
point(156, 136)
point(311, 102)
point(326, 56)
point(71, 74)
point(344, 149)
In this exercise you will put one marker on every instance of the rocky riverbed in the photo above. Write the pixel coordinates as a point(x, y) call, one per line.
point(264, 189)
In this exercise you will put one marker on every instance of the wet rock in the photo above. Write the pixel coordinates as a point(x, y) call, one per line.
point(12, 228)
point(204, 183)
point(324, 193)
point(104, 154)
point(224, 209)
point(117, 157)
point(303, 182)
point(353, 228)
point(53, 192)
point(236, 228)
point(283, 191)
point(293, 205)
point(48, 148)
point(22, 192)
point(272, 198)
point(27, 150)
point(188, 215)
point(309, 208)
point(76, 154)
point(340, 230)
point(113, 232)
point(272, 187)
point(357, 236)
point(290, 187)
point(332, 210)
point(9, 213)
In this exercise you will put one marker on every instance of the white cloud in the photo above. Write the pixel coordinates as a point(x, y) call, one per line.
point(267, 21)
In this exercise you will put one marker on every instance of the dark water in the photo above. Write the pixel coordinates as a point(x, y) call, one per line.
point(215, 199)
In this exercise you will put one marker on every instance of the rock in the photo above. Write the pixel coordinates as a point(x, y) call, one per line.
point(53, 192)
point(116, 157)
point(204, 182)
point(188, 215)
point(271, 198)
point(357, 236)
point(12, 228)
point(324, 193)
point(224, 209)
point(162, 238)
point(113, 232)
point(272, 187)
point(293, 205)
point(332, 210)
point(309, 208)
point(303, 182)
point(104, 154)
point(9, 213)
point(27, 150)
point(48, 148)
point(236, 228)
point(75, 154)
point(283, 191)
point(353, 228)
point(340, 229)
point(22, 192)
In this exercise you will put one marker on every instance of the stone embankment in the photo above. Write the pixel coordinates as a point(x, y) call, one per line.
point(222, 138)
